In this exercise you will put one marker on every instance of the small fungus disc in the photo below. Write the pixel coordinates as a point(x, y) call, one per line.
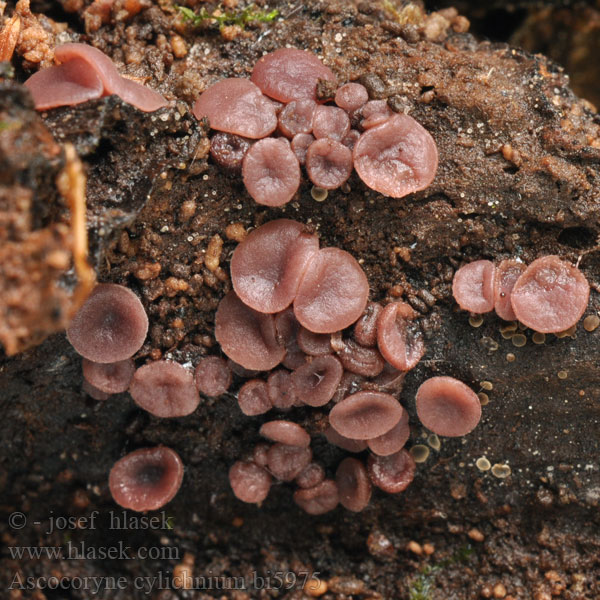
point(280, 390)
point(396, 158)
point(297, 117)
point(358, 359)
point(249, 482)
point(146, 479)
point(447, 406)
point(351, 96)
point(311, 475)
point(315, 382)
point(285, 432)
point(253, 398)
point(333, 292)
point(228, 150)
point(236, 105)
point(330, 122)
point(473, 286)
point(551, 295)
point(507, 273)
point(328, 163)
point(365, 415)
point(375, 112)
point(393, 473)
point(318, 500)
point(354, 486)
point(212, 376)
point(392, 441)
point(289, 74)
point(111, 378)
point(365, 329)
point(300, 144)
point(287, 462)
point(268, 266)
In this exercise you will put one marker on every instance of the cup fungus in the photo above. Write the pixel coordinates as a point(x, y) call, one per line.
point(396, 158)
point(110, 326)
point(228, 150)
point(365, 329)
point(249, 482)
point(507, 273)
point(267, 267)
point(393, 473)
point(313, 344)
point(550, 296)
point(365, 415)
point(94, 392)
point(146, 479)
point(260, 454)
point(212, 376)
point(354, 487)
point(165, 389)
point(319, 499)
point(280, 390)
point(285, 432)
point(310, 476)
point(447, 406)
point(375, 112)
point(398, 338)
point(236, 105)
point(315, 382)
point(300, 144)
point(392, 441)
point(328, 163)
point(358, 359)
point(351, 96)
point(111, 378)
point(287, 462)
point(330, 122)
point(290, 74)
point(271, 172)
point(297, 117)
point(333, 292)
point(247, 336)
point(92, 75)
point(253, 398)
point(473, 286)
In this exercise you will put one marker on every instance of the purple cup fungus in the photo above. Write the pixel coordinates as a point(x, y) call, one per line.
point(447, 406)
point(165, 389)
point(328, 163)
point(393, 473)
point(285, 432)
point(111, 378)
point(110, 326)
point(228, 150)
point(87, 73)
point(550, 296)
point(280, 390)
point(507, 273)
point(237, 106)
point(310, 476)
point(247, 336)
point(365, 415)
point(333, 292)
point(146, 479)
point(260, 454)
point(399, 339)
point(351, 96)
point(212, 376)
point(297, 117)
point(315, 382)
point(375, 112)
point(392, 441)
point(354, 486)
point(287, 462)
point(473, 286)
point(287, 327)
point(300, 145)
point(253, 398)
point(94, 392)
point(356, 358)
point(290, 74)
point(314, 344)
point(268, 266)
point(336, 439)
point(396, 158)
point(271, 172)
point(330, 122)
point(319, 499)
point(249, 482)
point(365, 329)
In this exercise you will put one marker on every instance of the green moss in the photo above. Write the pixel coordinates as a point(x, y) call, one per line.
point(227, 18)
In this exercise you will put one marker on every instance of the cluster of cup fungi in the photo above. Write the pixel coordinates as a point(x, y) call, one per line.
point(298, 313)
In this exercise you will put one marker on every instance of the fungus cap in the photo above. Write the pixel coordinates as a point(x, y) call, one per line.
point(146, 479)
point(236, 105)
point(253, 398)
point(354, 486)
point(285, 432)
point(267, 267)
point(212, 376)
point(319, 499)
point(287, 462)
point(311, 475)
point(333, 292)
point(111, 378)
point(315, 382)
point(289, 74)
point(247, 336)
point(300, 144)
point(330, 122)
point(447, 406)
point(507, 273)
point(249, 482)
point(551, 295)
point(393, 473)
point(297, 117)
point(165, 389)
point(396, 158)
point(228, 150)
point(365, 329)
point(473, 286)
point(271, 172)
point(365, 415)
point(314, 344)
point(351, 96)
point(358, 359)
point(392, 441)
point(375, 112)
point(280, 389)
point(110, 326)
point(328, 163)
